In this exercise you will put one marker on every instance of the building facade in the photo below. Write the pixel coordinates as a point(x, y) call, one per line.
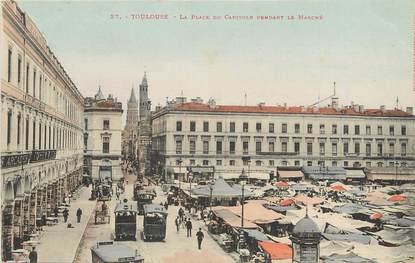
point(130, 131)
point(41, 123)
point(226, 139)
point(102, 137)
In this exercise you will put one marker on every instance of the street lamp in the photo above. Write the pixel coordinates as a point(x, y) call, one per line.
point(190, 177)
point(179, 161)
point(210, 199)
point(396, 173)
point(242, 180)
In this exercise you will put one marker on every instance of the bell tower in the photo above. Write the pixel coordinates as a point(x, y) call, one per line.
point(145, 103)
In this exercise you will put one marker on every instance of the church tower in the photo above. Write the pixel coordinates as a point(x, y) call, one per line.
point(131, 127)
point(132, 111)
point(145, 103)
point(144, 130)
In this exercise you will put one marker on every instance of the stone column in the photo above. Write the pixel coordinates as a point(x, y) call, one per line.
point(26, 216)
point(7, 231)
point(39, 202)
point(32, 212)
point(18, 223)
point(49, 207)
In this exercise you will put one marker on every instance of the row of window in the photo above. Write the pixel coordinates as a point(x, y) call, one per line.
point(271, 163)
point(105, 143)
point(284, 128)
point(105, 124)
point(284, 147)
point(40, 87)
point(43, 136)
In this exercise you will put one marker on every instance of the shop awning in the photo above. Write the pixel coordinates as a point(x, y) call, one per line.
point(233, 220)
point(259, 175)
point(355, 174)
point(277, 251)
point(290, 174)
point(391, 177)
point(256, 234)
point(256, 213)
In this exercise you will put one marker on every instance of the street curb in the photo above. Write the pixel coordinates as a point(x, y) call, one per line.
point(83, 233)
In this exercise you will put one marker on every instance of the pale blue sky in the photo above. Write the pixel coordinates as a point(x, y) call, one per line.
point(365, 46)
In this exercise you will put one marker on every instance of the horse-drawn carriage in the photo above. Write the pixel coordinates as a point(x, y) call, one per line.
point(102, 215)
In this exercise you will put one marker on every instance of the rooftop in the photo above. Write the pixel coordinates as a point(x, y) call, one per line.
point(350, 111)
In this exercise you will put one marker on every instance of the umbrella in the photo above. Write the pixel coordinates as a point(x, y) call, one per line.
point(376, 216)
point(287, 202)
point(397, 198)
point(338, 188)
point(282, 184)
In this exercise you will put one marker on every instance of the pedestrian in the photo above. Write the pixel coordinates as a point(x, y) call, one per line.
point(177, 222)
point(200, 237)
point(189, 227)
point(33, 255)
point(118, 195)
point(78, 214)
point(65, 215)
point(43, 219)
point(166, 206)
point(181, 213)
point(56, 211)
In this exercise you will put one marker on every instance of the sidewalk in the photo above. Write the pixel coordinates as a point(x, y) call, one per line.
point(58, 244)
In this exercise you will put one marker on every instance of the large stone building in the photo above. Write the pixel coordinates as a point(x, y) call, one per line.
point(129, 136)
point(223, 140)
point(102, 138)
point(41, 124)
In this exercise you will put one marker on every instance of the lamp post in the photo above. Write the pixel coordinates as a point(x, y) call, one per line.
point(190, 176)
point(242, 180)
point(179, 161)
point(396, 173)
point(210, 199)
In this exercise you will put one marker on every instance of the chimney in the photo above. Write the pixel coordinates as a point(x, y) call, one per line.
point(356, 107)
point(261, 104)
point(361, 108)
point(285, 105)
point(410, 110)
point(382, 108)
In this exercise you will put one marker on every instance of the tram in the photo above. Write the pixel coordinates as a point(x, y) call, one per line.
point(154, 223)
point(125, 220)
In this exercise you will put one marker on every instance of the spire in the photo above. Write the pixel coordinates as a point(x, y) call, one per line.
point(99, 95)
point(132, 96)
point(144, 82)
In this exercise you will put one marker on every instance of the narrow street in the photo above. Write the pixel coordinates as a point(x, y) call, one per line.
point(176, 247)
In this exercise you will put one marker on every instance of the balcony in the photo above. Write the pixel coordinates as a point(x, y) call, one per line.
point(13, 160)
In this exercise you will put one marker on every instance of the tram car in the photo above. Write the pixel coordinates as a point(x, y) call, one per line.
point(144, 197)
point(108, 252)
point(125, 221)
point(154, 222)
point(103, 192)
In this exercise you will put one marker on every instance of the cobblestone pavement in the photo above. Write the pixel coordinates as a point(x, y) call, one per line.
point(58, 244)
point(176, 247)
